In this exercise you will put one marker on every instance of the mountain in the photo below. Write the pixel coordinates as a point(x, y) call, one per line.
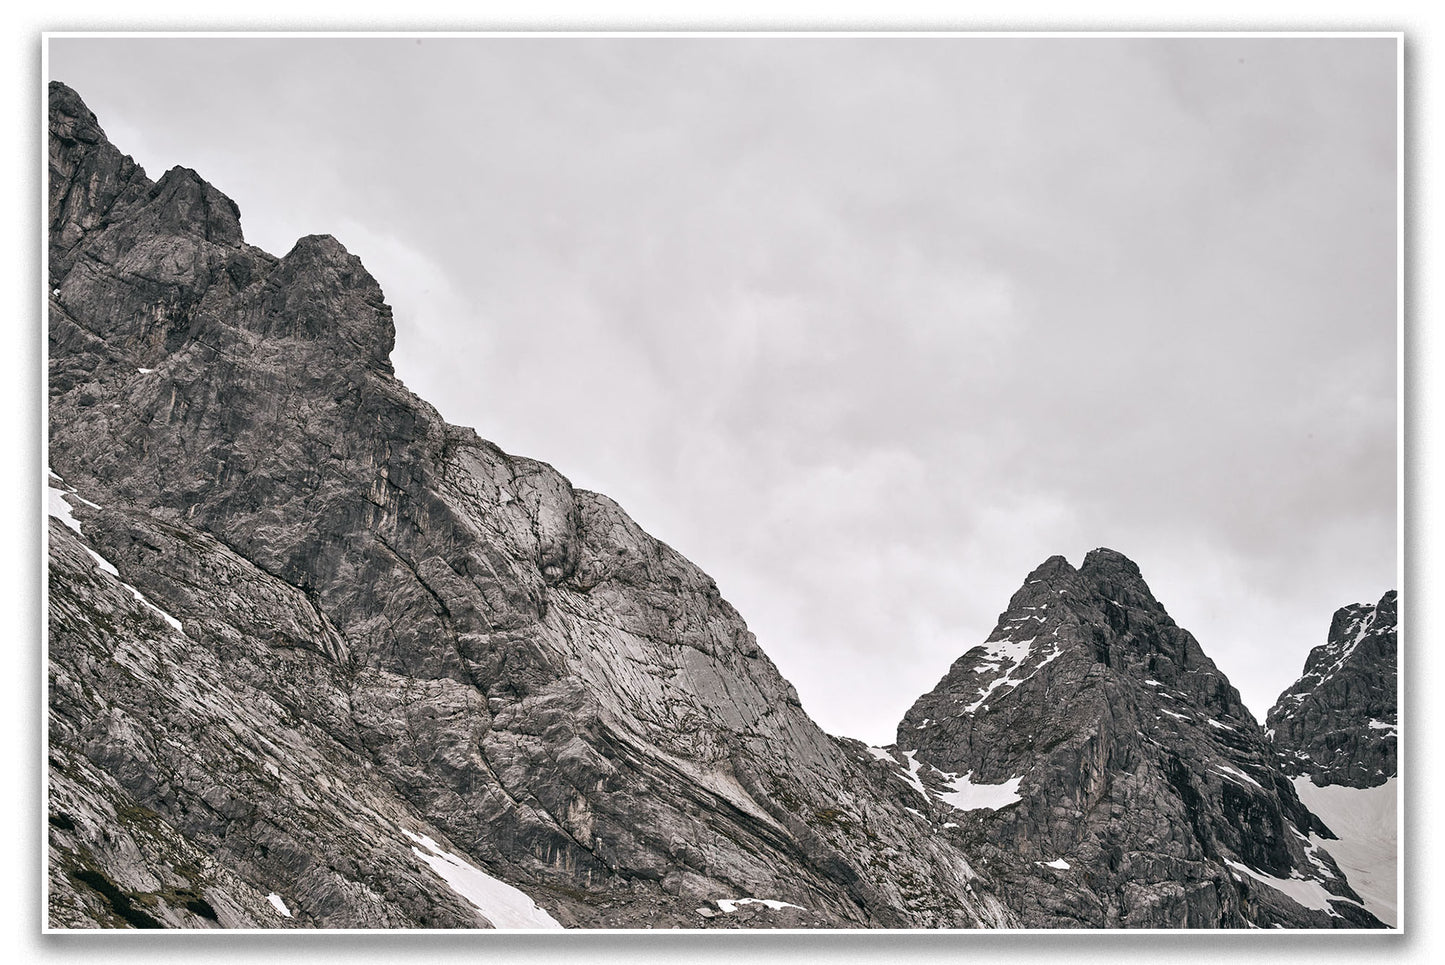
point(1334, 731)
point(1337, 723)
point(317, 658)
point(1111, 775)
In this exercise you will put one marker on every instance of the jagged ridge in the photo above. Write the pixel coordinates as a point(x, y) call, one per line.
point(1337, 724)
point(1148, 796)
point(390, 631)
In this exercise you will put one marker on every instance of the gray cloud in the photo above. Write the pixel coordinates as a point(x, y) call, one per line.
point(868, 328)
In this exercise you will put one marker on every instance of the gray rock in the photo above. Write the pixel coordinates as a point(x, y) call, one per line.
point(310, 648)
point(388, 627)
point(1147, 795)
point(1337, 723)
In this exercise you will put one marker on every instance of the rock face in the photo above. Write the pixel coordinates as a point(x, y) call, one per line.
point(317, 658)
point(1337, 723)
point(1334, 731)
point(1110, 775)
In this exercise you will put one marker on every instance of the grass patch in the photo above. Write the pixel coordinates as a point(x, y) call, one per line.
point(832, 817)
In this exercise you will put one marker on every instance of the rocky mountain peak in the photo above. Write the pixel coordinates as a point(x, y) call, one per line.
point(319, 659)
point(1387, 610)
point(89, 178)
point(1056, 567)
point(1334, 732)
point(186, 204)
point(1113, 576)
point(1144, 791)
point(167, 262)
point(70, 120)
point(1337, 723)
point(1051, 580)
point(1104, 561)
point(321, 290)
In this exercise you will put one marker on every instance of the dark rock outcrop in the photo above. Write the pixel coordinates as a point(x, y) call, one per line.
point(1108, 773)
point(310, 647)
point(1337, 724)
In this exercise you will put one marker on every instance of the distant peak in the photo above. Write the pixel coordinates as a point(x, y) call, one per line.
point(181, 173)
point(321, 248)
point(1105, 559)
point(1053, 566)
point(1112, 576)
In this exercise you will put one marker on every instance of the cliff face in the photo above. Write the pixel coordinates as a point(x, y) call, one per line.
point(319, 659)
point(1337, 724)
point(1127, 784)
point(1334, 732)
point(313, 650)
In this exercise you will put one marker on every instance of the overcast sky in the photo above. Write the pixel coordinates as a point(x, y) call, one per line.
point(868, 328)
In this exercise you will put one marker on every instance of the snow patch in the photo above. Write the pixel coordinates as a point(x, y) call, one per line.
point(968, 796)
point(963, 795)
point(996, 652)
point(1014, 651)
point(279, 905)
point(498, 902)
point(1234, 772)
point(1361, 630)
point(1058, 863)
point(105, 565)
point(912, 776)
point(1367, 822)
point(1057, 651)
point(109, 567)
point(730, 905)
point(60, 509)
point(1305, 891)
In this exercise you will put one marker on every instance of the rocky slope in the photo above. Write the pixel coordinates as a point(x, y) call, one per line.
point(1334, 731)
point(1109, 774)
point(1337, 724)
point(317, 658)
